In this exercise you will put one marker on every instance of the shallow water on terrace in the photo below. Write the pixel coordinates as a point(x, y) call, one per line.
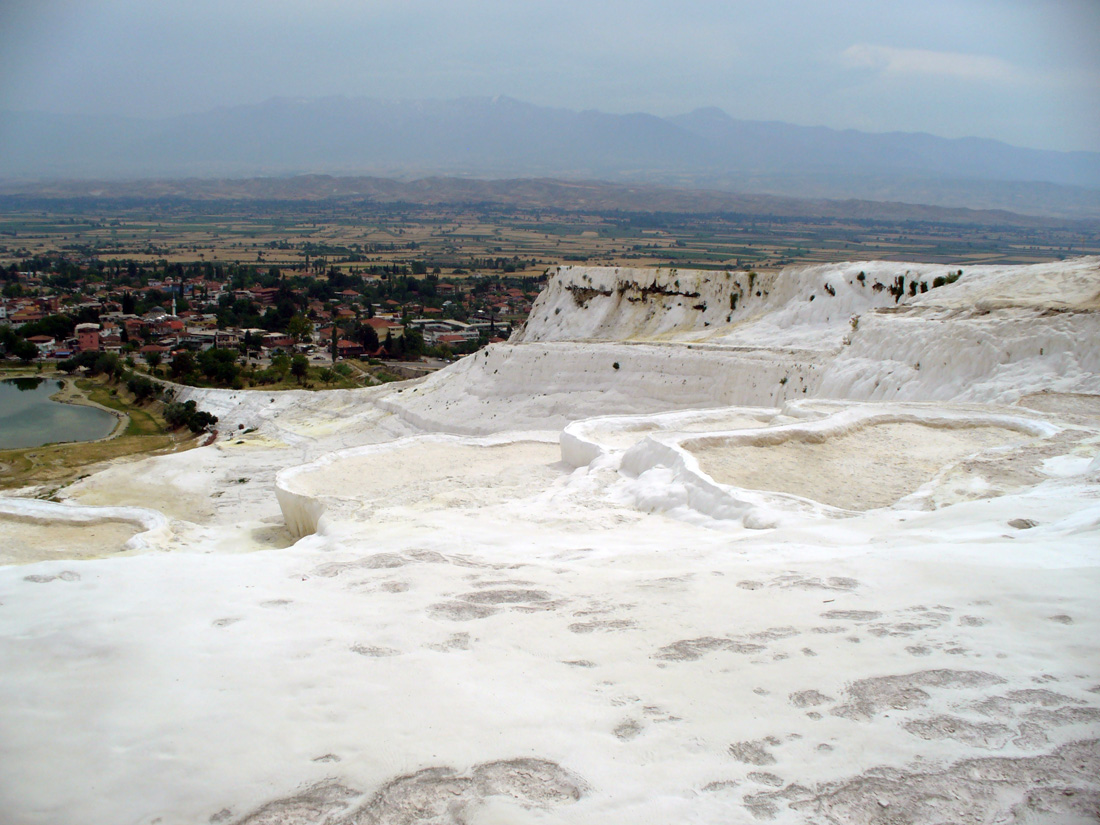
point(871, 467)
point(28, 418)
point(24, 542)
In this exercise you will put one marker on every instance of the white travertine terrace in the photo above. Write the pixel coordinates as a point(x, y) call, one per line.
point(677, 552)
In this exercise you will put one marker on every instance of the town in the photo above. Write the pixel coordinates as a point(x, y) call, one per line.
point(239, 325)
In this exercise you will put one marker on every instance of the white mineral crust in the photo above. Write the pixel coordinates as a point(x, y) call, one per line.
point(691, 547)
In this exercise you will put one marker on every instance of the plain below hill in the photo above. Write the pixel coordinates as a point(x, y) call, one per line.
point(507, 138)
point(524, 193)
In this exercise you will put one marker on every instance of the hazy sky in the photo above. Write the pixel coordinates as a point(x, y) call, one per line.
point(1023, 71)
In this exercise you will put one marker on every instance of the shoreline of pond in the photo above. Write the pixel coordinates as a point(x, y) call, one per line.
point(70, 394)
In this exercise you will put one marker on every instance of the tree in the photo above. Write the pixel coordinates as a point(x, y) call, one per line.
point(142, 387)
point(219, 364)
point(299, 367)
point(183, 363)
point(281, 364)
point(368, 337)
point(24, 350)
point(414, 341)
point(187, 413)
point(153, 359)
point(299, 328)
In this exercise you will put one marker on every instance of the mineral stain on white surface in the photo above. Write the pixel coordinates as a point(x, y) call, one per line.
point(792, 560)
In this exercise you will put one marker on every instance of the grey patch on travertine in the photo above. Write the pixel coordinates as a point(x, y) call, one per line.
point(395, 587)
point(799, 582)
point(64, 575)
point(220, 816)
point(899, 629)
point(813, 714)
point(383, 561)
point(627, 730)
point(579, 663)
point(435, 795)
point(809, 698)
point(687, 650)
point(988, 735)
point(972, 621)
point(328, 757)
point(534, 781)
point(753, 753)
point(824, 747)
point(1023, 523)
point(270, 603)
point(658, 714)
point(1058, 787)
point(456, 641)
point(499, 583)
point(956, 651)
point(808, 651)
point(1041, 696)
point(428, 556)
point(759, 691)
point(605, 624)
point(540, 607)
point(1030, 737)
point(439, 796)
point(1057, 717)
point(828, 630)
point(379, 561)
point(765, 805)
point(932, 615)
point(917, 650)
point(852, 615)
point(226, 621)
point(868, 697)
point(374, 651)
point(775, 633)
point(1004, 706)
point(505, 596)
point(1059, 805)
point(1061, 618)
point(319, 803)
point(461, 611)
point(720, 785)
point(765, 778)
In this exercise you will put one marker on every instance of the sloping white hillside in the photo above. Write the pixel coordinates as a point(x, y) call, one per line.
point(677, 552)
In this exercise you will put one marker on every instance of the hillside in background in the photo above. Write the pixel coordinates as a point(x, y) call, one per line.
point(506, 138)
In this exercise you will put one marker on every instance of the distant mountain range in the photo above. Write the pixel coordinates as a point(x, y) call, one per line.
point(507, 138)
